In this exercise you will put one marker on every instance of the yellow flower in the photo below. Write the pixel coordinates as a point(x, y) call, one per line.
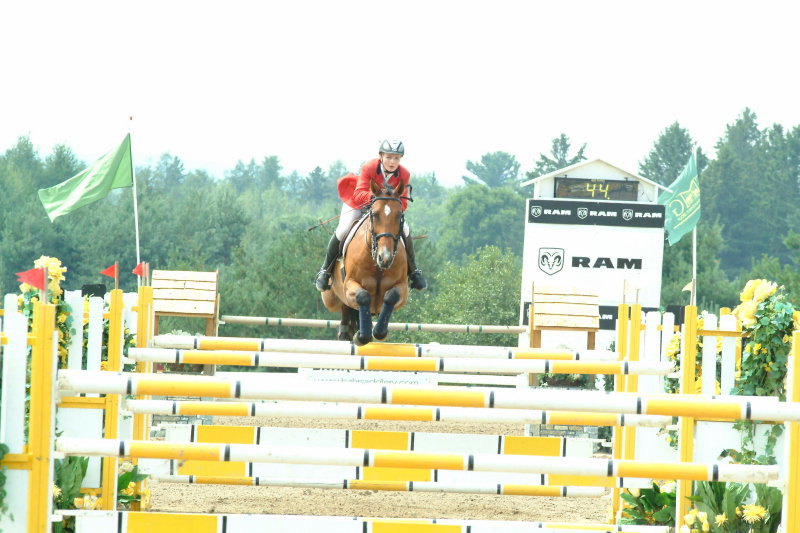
point(634, 492)
point(668, 487)
point(689, 518)
point(706, 527)
point(124, 466)
point(753, 513)
point(749, 290)
point(56, 491)
point(145, 501)
point(764, 290)
point(796, 319)
point(746, 312)
point(738, 511)
point(703, 516)
point(720, 519)
point(78, 503)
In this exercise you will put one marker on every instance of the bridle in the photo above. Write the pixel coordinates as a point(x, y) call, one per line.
point(373, 244)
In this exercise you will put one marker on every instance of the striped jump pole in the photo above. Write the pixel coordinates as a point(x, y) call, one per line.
point(254, 388)
point(132, 522)
point(393, 326)
point(484, 462)
point(503, 489)
point(186, 342)
point(416, 364)
point(392, 412)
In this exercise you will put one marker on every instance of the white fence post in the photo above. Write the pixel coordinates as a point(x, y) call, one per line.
point(709, 364)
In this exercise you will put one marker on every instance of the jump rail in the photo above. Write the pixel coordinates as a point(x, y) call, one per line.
point(393, 326)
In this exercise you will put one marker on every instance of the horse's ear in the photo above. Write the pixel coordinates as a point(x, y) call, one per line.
point(400, 188)
point(375, 188)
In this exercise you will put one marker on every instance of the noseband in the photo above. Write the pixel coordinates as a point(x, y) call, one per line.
point(375, 237)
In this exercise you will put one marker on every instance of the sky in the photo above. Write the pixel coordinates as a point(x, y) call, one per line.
point(313, 82)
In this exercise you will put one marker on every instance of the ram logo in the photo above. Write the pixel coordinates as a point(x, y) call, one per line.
point(583, 212)
point(551, 260)
point(536, 210)
point(627, 214)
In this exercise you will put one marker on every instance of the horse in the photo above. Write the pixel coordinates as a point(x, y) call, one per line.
point(371, 277)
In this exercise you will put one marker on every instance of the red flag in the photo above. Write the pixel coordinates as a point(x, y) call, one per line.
point(111, 271)
point(139, 270)
point(34, 277)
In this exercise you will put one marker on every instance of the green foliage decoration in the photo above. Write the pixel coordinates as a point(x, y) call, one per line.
point(654, 506)
point(3, 504)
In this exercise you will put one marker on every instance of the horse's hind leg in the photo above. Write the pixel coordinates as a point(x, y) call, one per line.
point(390, 299)
point(345, 330)
point(364, 334)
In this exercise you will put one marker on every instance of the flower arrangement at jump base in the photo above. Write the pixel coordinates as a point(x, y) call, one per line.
point(720, 508)
point(768, 319)
point(29, 295)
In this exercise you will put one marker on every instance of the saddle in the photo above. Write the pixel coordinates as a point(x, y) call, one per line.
point(346, 242)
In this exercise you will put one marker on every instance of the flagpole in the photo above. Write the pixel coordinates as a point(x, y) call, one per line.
point(694, 251)
point(135, 201)
point(694, 266)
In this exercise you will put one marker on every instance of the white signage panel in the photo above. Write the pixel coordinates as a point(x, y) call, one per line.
point(597, 246)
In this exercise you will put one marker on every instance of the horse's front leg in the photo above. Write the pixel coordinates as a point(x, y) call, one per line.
point(390, 299)
point(364, 334)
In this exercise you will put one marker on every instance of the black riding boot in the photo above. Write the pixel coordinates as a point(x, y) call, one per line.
point(415, 278)
point(324, 274)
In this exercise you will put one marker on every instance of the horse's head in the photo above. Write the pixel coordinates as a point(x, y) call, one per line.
point(386, 223)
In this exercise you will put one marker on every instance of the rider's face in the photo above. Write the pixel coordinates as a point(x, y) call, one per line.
point(390, 161)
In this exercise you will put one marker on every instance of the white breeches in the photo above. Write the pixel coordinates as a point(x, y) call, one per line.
point(348, 216)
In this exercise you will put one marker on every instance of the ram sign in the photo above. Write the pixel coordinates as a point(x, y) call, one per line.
point(594, 245)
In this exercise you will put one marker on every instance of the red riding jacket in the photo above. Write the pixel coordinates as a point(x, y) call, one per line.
point(355, 190)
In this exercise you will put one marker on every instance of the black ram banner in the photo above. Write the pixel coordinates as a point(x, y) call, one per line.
point(634, 215)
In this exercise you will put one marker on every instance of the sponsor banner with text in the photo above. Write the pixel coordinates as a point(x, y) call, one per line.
point(564, 248)
point(588, 213)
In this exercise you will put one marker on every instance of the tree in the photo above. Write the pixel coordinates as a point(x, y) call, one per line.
point(496, 169)
point(242, 177)
point(668, 156)
point(752, 187)
point(269, 173)
point(480, 216)
point(482, 289)
point(559, 157)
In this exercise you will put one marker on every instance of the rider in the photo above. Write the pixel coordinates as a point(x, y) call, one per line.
point(385, 169)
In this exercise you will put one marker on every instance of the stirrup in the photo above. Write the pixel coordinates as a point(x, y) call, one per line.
point(322, 280)
point(417, 280)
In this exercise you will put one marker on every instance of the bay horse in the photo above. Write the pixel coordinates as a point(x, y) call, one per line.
point(371, 278)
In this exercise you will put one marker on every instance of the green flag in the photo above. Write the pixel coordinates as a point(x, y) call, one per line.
point(683, 203)
point(112, 171)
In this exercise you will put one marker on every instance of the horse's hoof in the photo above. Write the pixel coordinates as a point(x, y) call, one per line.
point(344, 336)
point(379, 336)
point(361, 341)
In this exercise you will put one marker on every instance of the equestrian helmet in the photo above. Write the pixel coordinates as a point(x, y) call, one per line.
point(392, 147)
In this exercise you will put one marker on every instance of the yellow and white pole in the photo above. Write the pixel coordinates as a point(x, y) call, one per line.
point(144, 332)
point(623, 315)
point(791, 491)
point(42, 417)
point(687, 423)
point(111, 429)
